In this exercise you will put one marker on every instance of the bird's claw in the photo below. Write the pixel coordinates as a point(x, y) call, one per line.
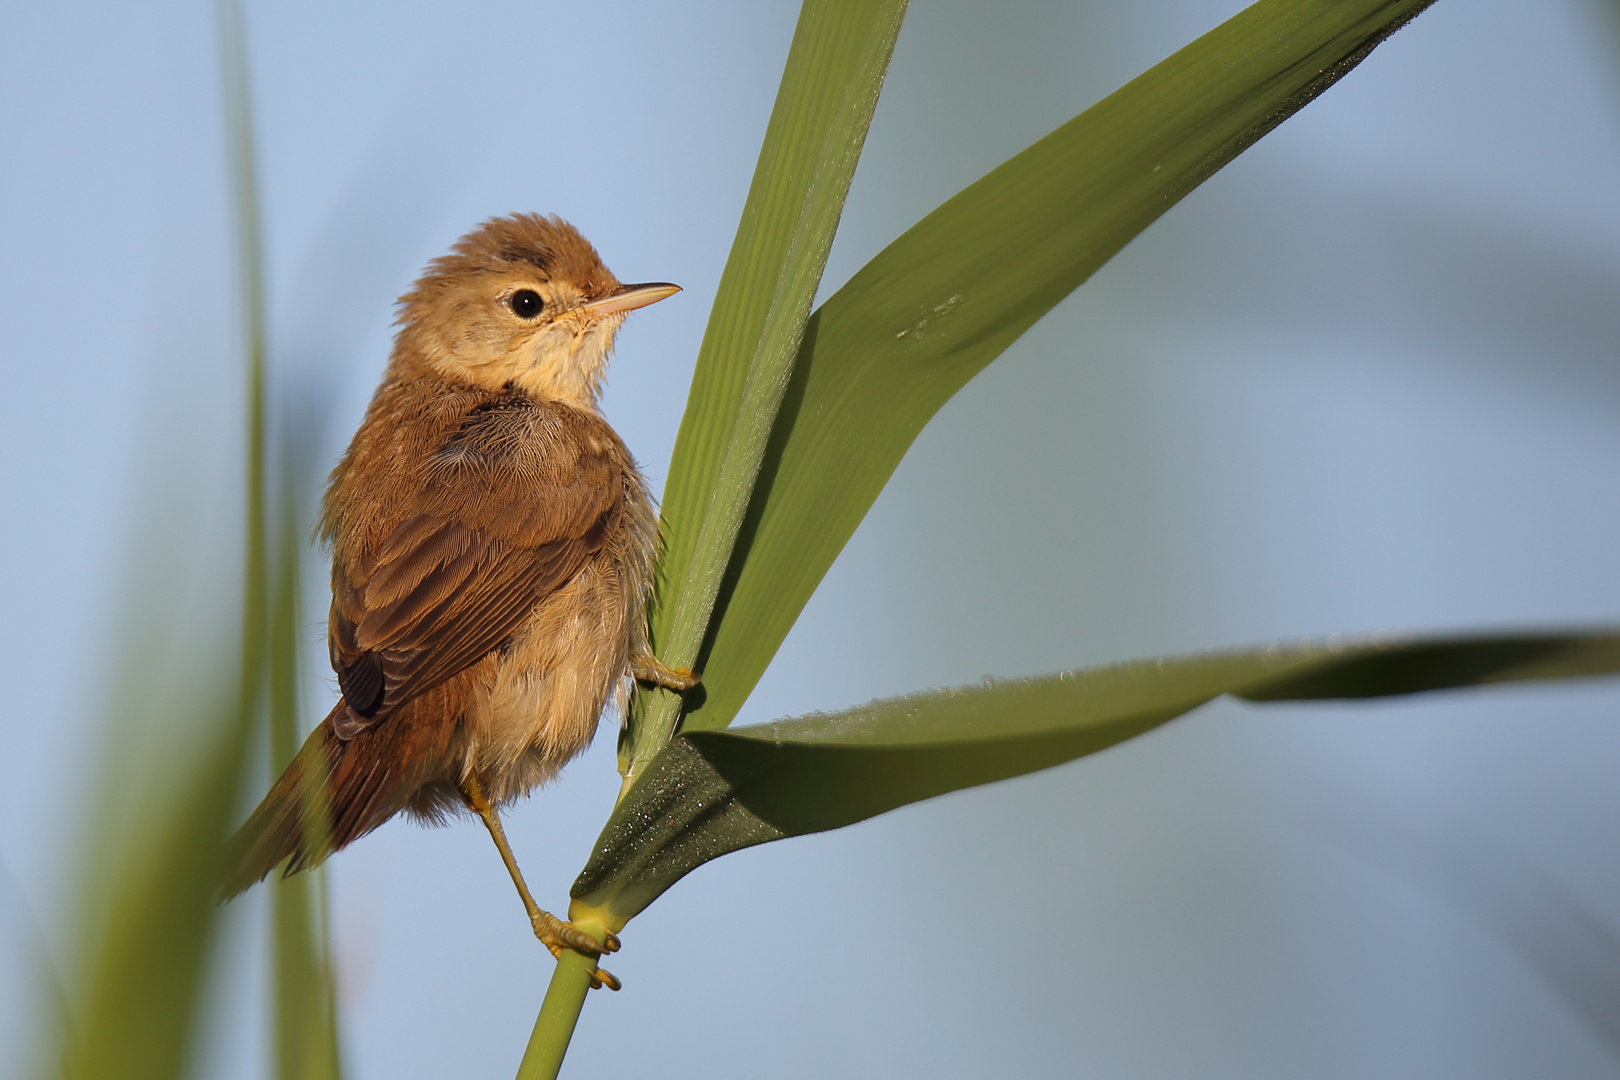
point(557, 935)
point(601, 977)
point(650, 669)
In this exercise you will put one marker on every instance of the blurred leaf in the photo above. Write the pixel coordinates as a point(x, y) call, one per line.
point(1556, 934)
point(141, 996)
point(1610, 9)
point(306, 1042)
point(714, 792)
point(34, 952)
point(306, 1019)
point(156, 888)
point(930, 311)
point(829, 88)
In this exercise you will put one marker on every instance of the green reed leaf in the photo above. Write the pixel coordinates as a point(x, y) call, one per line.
point(154, 912)
point(910, 329)
point(305, 1027)
point(830, 86)
point(713, 792)
point(140, 999)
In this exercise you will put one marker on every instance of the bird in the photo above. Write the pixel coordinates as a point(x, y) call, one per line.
point(492, 544)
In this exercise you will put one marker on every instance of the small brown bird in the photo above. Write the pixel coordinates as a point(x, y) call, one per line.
point(492, 545)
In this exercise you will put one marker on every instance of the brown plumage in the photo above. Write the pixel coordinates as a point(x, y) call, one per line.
point(491, 550)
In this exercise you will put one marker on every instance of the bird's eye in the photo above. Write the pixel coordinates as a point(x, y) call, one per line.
point(526, 304)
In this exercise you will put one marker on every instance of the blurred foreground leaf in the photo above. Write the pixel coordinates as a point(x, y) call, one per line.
point(153, 891)
point(154, 888)
point(306, 1038)
point(154, 922)
point(933, 308)
point(714, 792)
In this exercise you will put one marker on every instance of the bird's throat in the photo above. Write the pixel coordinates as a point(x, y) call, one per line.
point(567, 367)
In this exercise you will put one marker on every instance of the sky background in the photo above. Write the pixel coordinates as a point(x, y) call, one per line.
point(1365, 377)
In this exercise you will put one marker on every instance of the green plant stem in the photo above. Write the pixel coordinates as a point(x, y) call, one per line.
point(559, 1012)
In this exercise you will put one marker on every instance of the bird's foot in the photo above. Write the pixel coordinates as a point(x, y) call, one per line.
point(557, 935)
point(649, 669)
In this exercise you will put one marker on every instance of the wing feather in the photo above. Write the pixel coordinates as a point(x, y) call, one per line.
point(518, 503)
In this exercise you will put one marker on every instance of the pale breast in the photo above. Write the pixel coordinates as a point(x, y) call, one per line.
point(524, 540)
point(569, 665)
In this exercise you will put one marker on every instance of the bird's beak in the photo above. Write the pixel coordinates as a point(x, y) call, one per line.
point(628, 298)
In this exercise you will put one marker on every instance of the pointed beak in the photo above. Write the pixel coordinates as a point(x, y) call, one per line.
point(628, 298)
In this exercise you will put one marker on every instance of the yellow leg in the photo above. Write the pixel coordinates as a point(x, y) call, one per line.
point(649, 669)
point(555, 934)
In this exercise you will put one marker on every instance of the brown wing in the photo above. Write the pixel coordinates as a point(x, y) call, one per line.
point(515, 506)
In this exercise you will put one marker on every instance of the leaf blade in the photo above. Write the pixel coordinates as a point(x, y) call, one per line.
point(154, 915)
point(910, 329)
point(713, 792)
point(834, 72)
point(305, 1018)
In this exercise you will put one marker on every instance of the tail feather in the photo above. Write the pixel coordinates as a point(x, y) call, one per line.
point(337, 790)
point(287, 822)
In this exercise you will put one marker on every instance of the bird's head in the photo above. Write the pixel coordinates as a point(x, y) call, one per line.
point(520, 301)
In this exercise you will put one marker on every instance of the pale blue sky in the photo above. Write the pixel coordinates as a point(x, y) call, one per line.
point(1365, 377)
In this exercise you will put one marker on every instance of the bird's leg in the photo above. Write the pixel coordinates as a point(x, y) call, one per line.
point(555, 934)
point(648, 668)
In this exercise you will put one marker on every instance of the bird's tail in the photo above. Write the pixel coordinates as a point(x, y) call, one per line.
point(294, 819)
point(337, 790)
